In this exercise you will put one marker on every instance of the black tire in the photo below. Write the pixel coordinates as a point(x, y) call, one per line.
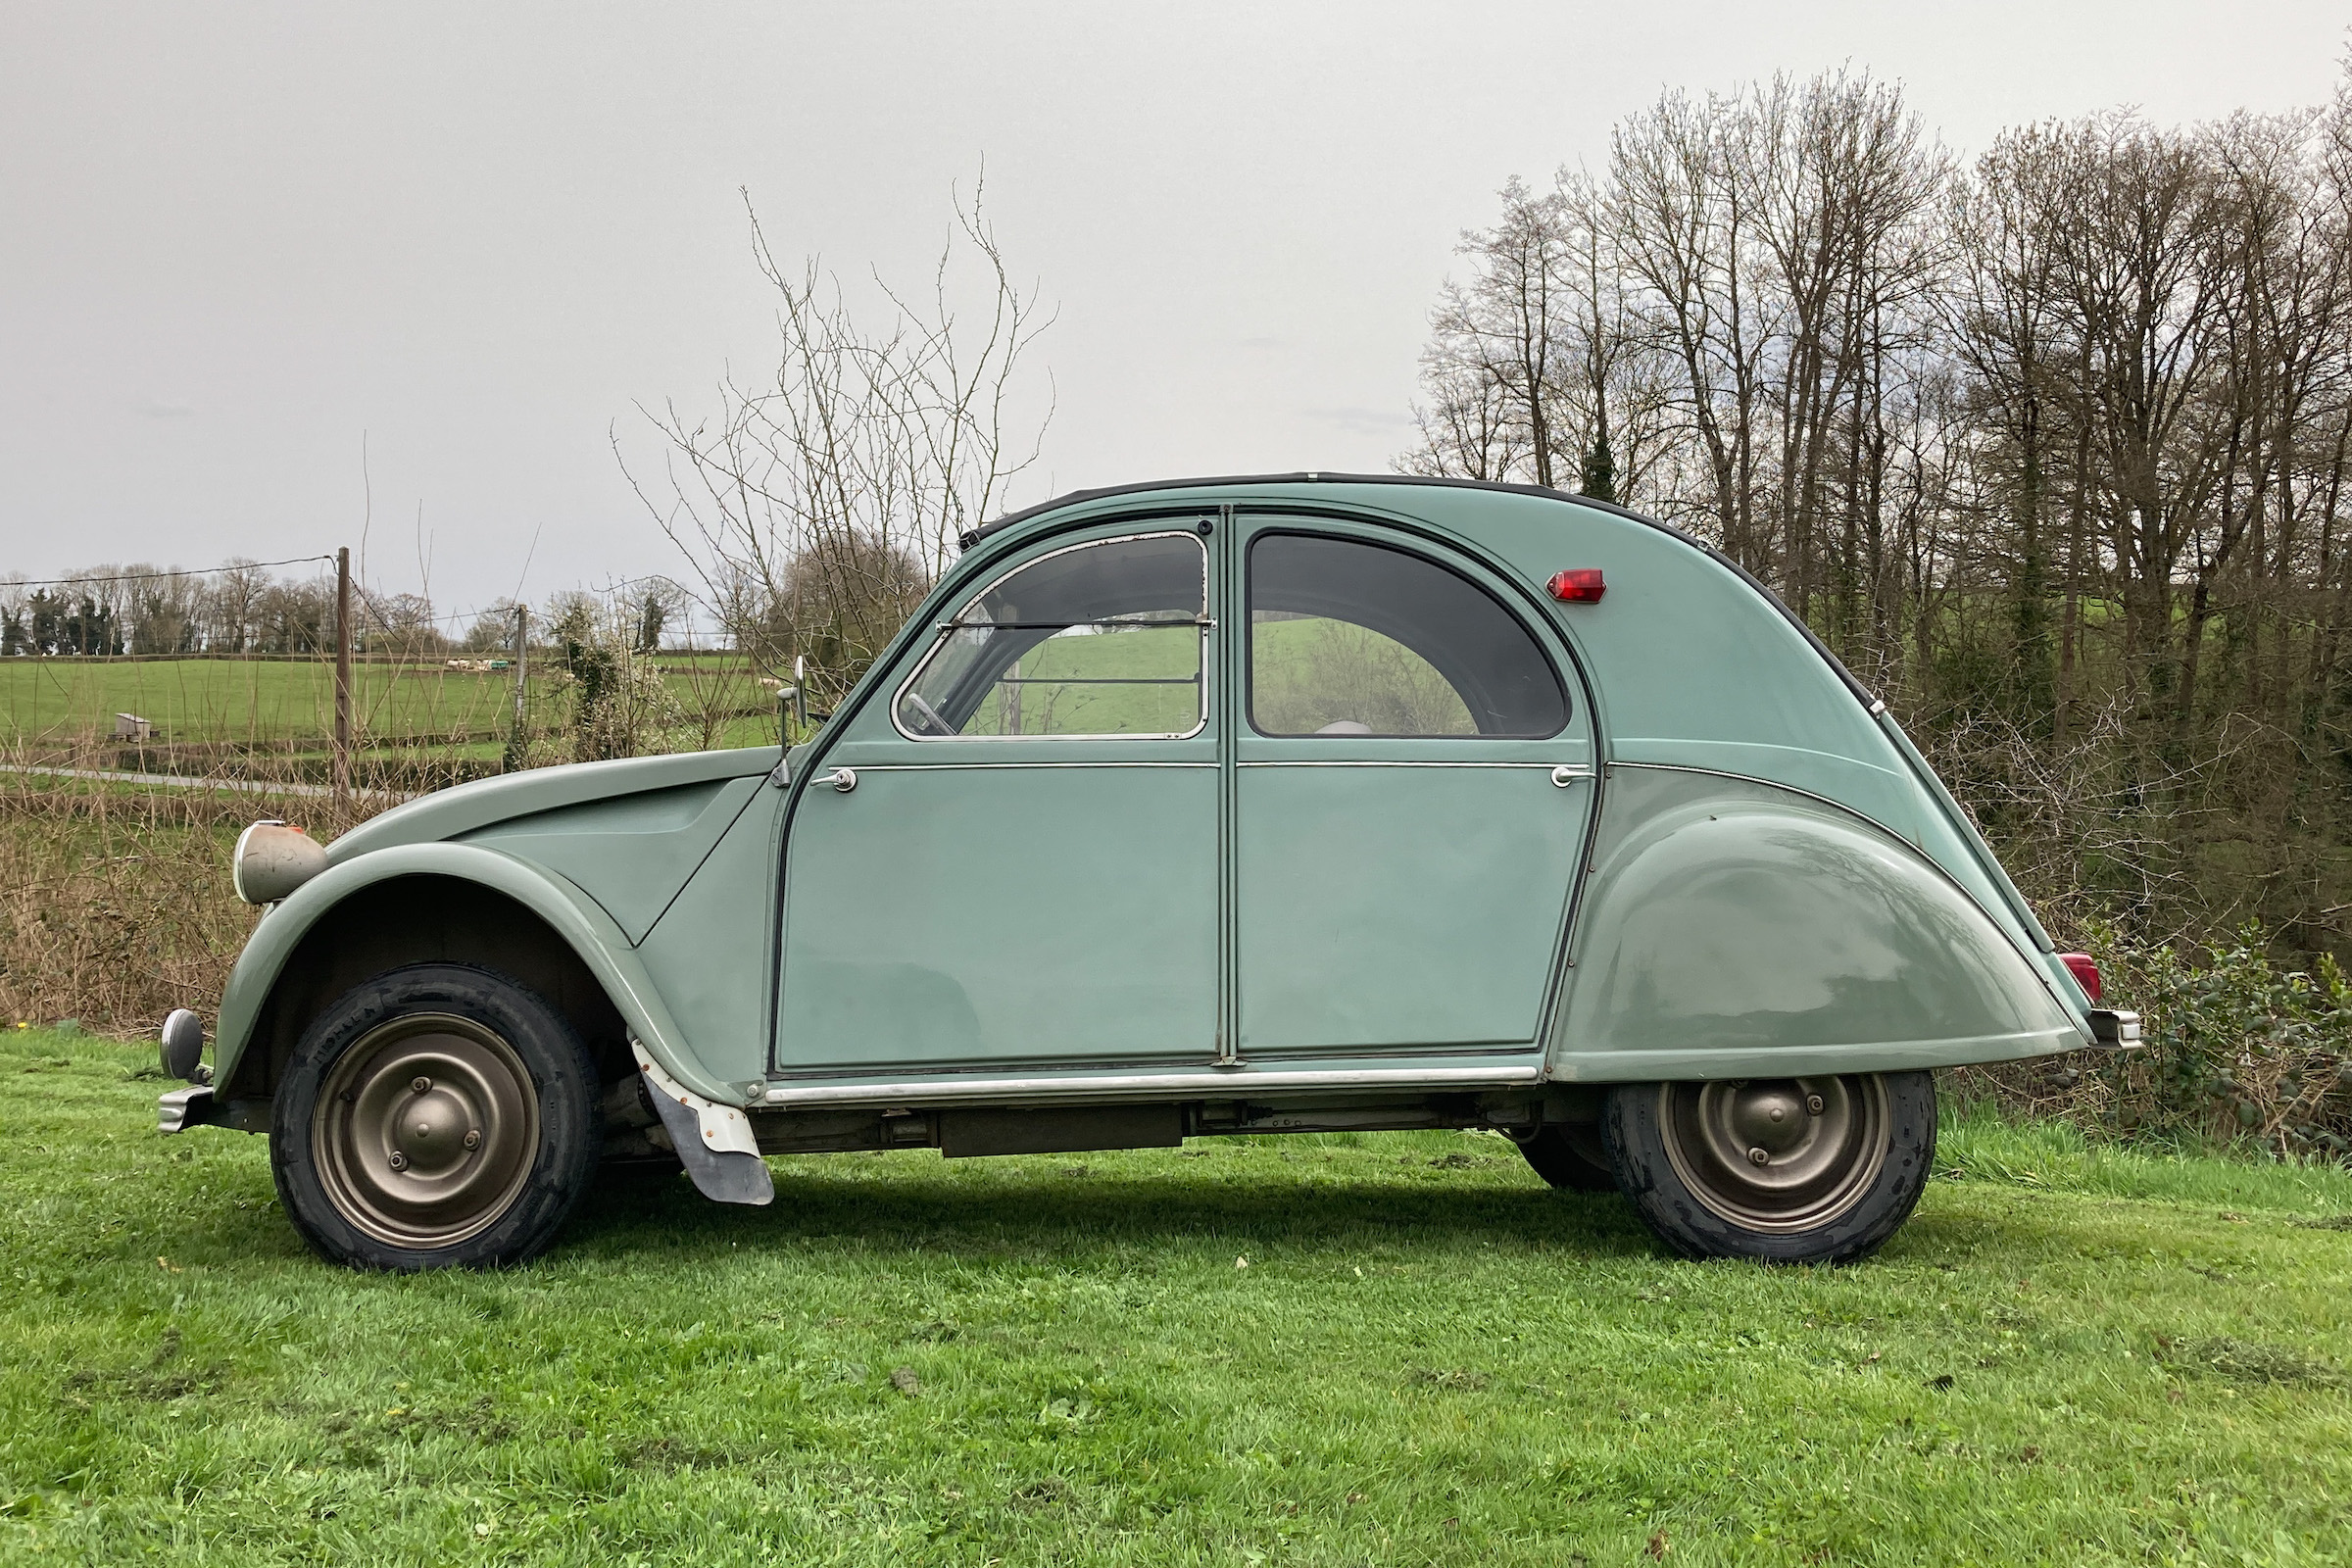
point(1569, 1156)
point(1846, 1161)
point(504, 1139)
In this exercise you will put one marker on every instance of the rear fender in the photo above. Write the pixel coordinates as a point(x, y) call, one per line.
point(1739, 929)
point(575, 918)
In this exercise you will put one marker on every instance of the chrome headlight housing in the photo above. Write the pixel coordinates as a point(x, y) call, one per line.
point(272, 860)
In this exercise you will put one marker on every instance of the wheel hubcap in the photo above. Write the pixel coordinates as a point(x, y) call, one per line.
point(426, 1130)
point(1777, 1154)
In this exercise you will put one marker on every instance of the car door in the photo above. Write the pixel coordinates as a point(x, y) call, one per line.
point(1412, 784)
point(1017, 861)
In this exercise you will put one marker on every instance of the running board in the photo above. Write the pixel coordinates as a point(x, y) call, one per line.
point(1118, 1088)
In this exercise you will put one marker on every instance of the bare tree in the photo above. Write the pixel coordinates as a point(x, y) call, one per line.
point(2052, 449)
point(817, 507)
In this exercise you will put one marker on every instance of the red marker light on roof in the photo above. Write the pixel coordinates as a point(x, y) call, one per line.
point(2085, 971)
point(1581, 586)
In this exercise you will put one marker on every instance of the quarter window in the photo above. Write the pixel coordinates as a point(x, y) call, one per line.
point(1097, 639)
point(1347, 638)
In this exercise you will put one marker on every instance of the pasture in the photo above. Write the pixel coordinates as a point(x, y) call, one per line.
point(257, 700)
point(1342, 1349)
point(206, 710)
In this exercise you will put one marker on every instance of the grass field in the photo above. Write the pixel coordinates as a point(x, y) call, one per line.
point(244, 700)
point(2069, 1355)
point(1309, 672)
point(280, 701)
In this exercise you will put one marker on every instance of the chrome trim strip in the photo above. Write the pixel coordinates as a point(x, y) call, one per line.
point(987, 767)
point(1575, 770)
point(1233, 1083)
point(946, 628)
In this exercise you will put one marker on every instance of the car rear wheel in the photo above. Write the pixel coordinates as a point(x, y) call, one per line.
point(1785, 1171)
point(435, 1116)
point(1569, 1156)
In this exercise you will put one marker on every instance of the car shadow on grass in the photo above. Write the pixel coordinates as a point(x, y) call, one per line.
point(1051, 1214)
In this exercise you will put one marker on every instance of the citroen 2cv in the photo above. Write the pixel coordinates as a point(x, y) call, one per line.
point(1238, 805)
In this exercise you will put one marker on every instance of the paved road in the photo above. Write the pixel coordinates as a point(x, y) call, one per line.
point(176, 781)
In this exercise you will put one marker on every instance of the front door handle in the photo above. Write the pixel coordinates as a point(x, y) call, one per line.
point(844, 779)
point(1568, 773)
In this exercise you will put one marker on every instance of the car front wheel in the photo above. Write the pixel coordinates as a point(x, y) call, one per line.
point(435, 1116)
point(1785, 1171)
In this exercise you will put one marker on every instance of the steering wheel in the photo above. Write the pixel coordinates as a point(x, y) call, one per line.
point(927, 715)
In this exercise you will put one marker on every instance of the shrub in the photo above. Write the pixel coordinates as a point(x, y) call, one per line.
point(610, 699)
point(2238, 1050)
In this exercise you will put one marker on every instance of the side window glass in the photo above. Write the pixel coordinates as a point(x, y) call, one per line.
point(1098, 639)
point(1347, 638)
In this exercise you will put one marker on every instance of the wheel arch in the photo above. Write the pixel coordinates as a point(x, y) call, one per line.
point(452, 903)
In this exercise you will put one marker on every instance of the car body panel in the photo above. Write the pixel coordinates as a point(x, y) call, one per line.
point(711, 952)
point(1398, 893)
point(995, 909)
point(1384, 907)
point(464, 808)
point(1738, 929)
point(631, 853)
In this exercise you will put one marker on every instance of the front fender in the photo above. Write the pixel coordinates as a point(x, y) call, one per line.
point(573, 916)
point(1734, 929)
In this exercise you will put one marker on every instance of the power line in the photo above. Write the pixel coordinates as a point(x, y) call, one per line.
point(152, 576)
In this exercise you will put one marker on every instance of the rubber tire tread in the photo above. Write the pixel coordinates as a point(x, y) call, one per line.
point(1567, 1161)
point(570, 1130)
point(1636, 1149)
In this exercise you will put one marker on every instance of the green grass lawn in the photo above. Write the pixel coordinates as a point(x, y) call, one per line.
point(242, 700)
point(2069, 1355)
point(282, 699)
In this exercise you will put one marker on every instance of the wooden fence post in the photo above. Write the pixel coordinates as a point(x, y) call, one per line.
point(516, 740)
point(342, 679)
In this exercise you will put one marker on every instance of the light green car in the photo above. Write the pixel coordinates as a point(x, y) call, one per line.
point(1286, 804)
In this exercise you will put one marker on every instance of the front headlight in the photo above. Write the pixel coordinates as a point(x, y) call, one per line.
point(272, 860)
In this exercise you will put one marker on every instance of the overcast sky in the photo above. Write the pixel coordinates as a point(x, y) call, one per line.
point(238, 239)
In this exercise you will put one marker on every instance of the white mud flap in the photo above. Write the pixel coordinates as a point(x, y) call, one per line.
point(713, 1142)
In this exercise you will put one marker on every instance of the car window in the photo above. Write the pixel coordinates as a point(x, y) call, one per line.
point(1097, 639)
point(1347, 638)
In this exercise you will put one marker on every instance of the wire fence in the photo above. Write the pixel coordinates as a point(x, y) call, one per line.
point(237, 675)
point(146, 716)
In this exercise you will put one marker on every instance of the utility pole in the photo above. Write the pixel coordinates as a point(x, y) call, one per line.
point(522, 649)
point(342, 678)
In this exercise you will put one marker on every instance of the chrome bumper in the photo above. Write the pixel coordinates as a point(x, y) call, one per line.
point(2117, 1031)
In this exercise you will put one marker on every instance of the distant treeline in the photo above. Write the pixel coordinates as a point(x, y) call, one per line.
point(2050, 446)
point(245, 608)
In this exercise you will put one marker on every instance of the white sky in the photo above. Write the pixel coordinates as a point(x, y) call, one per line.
point(234, 240)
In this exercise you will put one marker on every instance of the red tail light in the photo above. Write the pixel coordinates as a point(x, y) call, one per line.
point(2085, 971)
point(1579, 586)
